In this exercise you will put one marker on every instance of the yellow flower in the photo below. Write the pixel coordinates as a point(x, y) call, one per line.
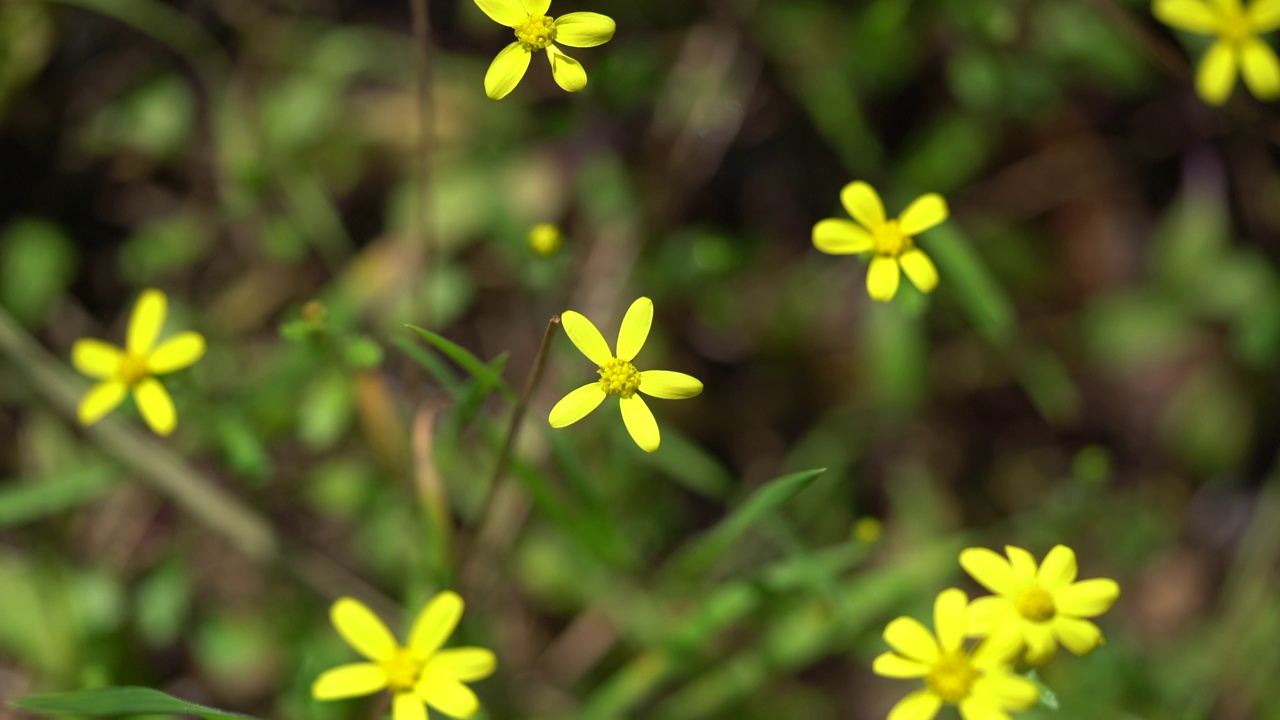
point(978, 681)
point(1042, 606)
point(545, 239)
point(132, 367)
point(867, 530)
point(1237, 50)
point(619, 377)
point(416, 674)
point(536, 31)
point(890, 241)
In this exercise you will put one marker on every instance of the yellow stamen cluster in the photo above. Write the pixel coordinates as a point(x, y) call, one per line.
point(403, 670)
point(132, 369)
point(619, 377)
point(889, 240)
point(1035, 605)
point(952, 677)
point(536, 33)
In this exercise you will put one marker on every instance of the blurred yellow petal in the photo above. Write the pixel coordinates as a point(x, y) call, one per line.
point(893, 665)
point(863, 204)
point(347, 681)
point(1087, 598)
point(463, 664)
point(841, 237)
point(926, 212)
point(1079, 636)
point(977, 709)
point(567, 71)
point(1260, 69)
point(362, 630)
point(1000, 648)
point(585, 337)
point(919, 269)
point(1264, 16)
point(669, 385)
point(911, 639)
point(1006, 690)
point(635, 328)
point(448, 695)
point(100, 400)
point(1023, 564)
point(95, 358)
point(640, 423)
point(536, 7)
point(435, 623)
point(987, 613)
point(948, 618)
point(990, 569)
point(506, 70)
point(919, 705)
point(505, 12)
point(155, 405)
point(576, 405)
point(1041, 644)
point(176, 353)
point(1216, 75)
point(1058, 569)
point(882, 278)
point(146, 321)
point(1191, 15)
point(584, 29)
point(408, 706)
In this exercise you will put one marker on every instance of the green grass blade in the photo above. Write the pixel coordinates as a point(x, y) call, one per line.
point(113, 701)
point(467, 360)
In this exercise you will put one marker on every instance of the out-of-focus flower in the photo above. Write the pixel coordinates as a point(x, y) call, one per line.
point(415, 674)
point(134, 366)
point(867, 530)
point(1237, 51)
point(891, 242)
point(619, 377)
point(1042, 607)
point(536, 31)
point(545, 239)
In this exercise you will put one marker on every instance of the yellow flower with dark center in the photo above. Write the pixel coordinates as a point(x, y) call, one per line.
point(1237, 51)
point(419, 673)
point(545, 239)
point(132, 367)
point(1042, 606)
point(620, 378)
point(891, 242)
point(978, 681)
point(536, 31)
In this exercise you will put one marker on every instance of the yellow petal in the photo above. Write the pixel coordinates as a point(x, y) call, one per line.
point(1191, 15)
point(95, 358)
point(1264, 16)
point(635, 328)
point(1041, 644)
point(155, 405)
point(1079, 636)
point(408, 706)
point(990, 569)
point(919, 705)
point(576, 405)
point(972, 708)
point(841, 237)
point(347, 681)
point(1006, 690)
point(146, 321)
point(362, 630)
point(919, 269)
point(463, 664)
point(893, 665)
point(505, 12)
point(100, 400)
point(1001, 646)
point(882, 278)
point(863, 204)
point(567, 71)
point(506, 70)
point(447, 695)
point(948, 618)
point(536, 7)
point(435, 623)
point(1260, 69)
point(911, 639)
point(1088, 598)
point(926, 212)
point(1058, 569)
point(584, 29)
point(585, 337)
point(669, 385)
point(176, 353)
point(1216, 75)
point(988, 613)
point(1023, 564)
point(640, 423)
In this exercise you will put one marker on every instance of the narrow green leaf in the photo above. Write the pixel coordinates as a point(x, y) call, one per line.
point(114, 701)
point(986, 303)
point(465, 359)
point(23, 502)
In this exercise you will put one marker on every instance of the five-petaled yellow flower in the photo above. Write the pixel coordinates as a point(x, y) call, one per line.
point(1042, 606)
point(536, 31)
point(619, 377)
point(417, 674)
point(132, 367)
point(890, 241)
point(978, 681)
point(1237, 51)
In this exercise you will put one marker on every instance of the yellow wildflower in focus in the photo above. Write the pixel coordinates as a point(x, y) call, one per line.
point(545, 239)
point(619, 377)
point(420, 673)
point(536, 31)
point(978, 681)
point(1237, 51)
point(891, 242)
point(133, 367)
point(1043, 606)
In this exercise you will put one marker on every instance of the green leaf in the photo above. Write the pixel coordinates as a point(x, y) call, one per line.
point(114, 701)
point(960, 266)
point(465, 359)
point(37, 262)
point(23, 502)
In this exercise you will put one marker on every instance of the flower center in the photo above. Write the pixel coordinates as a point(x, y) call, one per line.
point(536, 33)
point(951, 678)
point(619, 377)
point(132, 369)
point(889, 240)
point(402, 670)
point(1035, 605)
point(1233, 23)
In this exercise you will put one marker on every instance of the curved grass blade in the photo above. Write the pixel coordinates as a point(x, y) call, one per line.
point(114, 701)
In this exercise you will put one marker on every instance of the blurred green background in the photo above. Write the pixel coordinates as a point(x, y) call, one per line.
point(1098, 366)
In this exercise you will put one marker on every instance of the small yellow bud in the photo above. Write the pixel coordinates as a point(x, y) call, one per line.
point(545, 239)
point(867, 530)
